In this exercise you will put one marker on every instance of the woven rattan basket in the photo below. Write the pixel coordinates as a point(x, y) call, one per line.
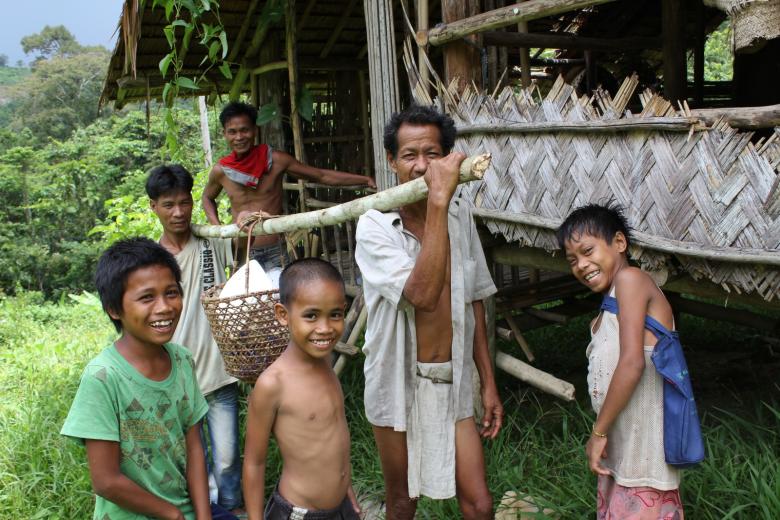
point(245, 328)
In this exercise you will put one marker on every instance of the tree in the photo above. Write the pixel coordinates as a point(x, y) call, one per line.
point(60, 95)
point(50, 42)
point(3, 60)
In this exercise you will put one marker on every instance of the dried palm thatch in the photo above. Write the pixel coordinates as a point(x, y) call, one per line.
point(705, 201)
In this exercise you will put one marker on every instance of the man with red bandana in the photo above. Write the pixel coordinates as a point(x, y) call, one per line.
point(252, 177)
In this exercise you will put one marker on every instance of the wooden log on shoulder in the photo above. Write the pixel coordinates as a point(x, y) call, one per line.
point(472, 168)
point(535, 377)
point(501, 17)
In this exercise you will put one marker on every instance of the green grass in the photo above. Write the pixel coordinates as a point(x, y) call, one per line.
point(44, 346)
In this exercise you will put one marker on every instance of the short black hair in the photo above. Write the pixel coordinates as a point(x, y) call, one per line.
point(303, 271)
point(602, 221)
point(120, 260)
point(416, 114)
point(168, 178)
point(237, 108)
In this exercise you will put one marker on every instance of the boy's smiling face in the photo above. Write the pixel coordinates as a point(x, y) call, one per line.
point(315, 317)
point(151, 305)
point(593, 261)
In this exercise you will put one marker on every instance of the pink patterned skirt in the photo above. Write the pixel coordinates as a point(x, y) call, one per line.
point(616, 502)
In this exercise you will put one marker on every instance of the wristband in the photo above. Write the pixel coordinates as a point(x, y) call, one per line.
point(598, 434)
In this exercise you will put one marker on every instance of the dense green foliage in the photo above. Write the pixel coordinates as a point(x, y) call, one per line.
point(65, 171)
point(539, 453)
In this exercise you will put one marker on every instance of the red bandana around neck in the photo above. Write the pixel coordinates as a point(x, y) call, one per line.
point(248, 170)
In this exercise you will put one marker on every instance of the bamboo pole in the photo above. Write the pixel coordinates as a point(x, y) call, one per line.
point(535, 377)
point(472, 168)
point(569, 41)
point(667, 124)
point(664, 245)
point(292, 71)
point(501, 17)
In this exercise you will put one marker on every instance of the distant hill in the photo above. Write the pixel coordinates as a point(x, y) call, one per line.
point(12, 75)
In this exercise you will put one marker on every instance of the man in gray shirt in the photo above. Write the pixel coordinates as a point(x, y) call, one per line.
point(424, 278)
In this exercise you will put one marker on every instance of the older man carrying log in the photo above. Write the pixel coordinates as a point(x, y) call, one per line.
point(424, 278)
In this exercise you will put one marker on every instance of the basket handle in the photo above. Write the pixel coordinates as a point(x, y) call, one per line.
point(248, 251)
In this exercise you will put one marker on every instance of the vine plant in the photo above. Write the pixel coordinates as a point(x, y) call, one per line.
point(187, 19)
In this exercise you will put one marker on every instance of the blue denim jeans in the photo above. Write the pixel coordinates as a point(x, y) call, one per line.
point(224, 464)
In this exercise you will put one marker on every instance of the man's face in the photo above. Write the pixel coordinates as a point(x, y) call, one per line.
point(240, 132)
point(174, 211)
point(418, 145)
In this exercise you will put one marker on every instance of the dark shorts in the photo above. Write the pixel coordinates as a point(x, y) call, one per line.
point(270, 256)
point(278, 508)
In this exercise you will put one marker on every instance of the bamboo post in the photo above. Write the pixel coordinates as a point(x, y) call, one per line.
point(205, 135)
point(472, 168)
point(357, 330)
point(674, 66)
point(422, 25)
point(519, 338)
point(525, 57)
point(292, 71)
point(383, 76)
point(461, 59)
point(364, 123)
point(535, 377)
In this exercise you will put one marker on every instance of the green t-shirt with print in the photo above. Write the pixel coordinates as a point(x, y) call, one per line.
point(149, 420)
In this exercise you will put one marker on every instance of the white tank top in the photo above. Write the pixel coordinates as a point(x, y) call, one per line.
point(635, 445)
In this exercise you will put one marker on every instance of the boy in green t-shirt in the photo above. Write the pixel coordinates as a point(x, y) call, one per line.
point(138, 405)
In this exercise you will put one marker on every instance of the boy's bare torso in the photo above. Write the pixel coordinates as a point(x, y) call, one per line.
point(312, 433)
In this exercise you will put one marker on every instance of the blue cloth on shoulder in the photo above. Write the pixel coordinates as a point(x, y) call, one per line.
point(683, 442)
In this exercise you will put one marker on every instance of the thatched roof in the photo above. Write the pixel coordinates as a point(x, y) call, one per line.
point(331, 36)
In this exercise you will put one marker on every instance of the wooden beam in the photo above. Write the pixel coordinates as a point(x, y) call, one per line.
point(535, 377)
point(422, 25)
point(664, 245)
point(541, 259)
point(268, 67)
point(254, 47)
point(698, 53)
point(744, 118)
point(501, 17)
point(724, 313)
point(569, 41)
point(337, 31)
point(292, 72)
point(461, 58)
point(306, 13)
point(667, 124)
point(674, 65)
point(233, 51)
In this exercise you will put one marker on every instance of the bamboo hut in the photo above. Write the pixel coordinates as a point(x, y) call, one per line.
point(611, 114)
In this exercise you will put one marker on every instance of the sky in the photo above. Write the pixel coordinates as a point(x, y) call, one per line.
point(92, 22)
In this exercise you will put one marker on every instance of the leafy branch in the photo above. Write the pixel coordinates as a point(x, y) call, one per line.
point(188, 19)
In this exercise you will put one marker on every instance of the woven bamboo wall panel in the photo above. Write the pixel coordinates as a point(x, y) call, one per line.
point(708, 187)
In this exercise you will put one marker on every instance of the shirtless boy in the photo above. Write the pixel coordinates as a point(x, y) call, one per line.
point(299, 399)
point(424, 279)
point(252, 177)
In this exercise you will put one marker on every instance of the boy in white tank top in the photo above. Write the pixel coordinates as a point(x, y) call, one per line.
point(626, 448)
